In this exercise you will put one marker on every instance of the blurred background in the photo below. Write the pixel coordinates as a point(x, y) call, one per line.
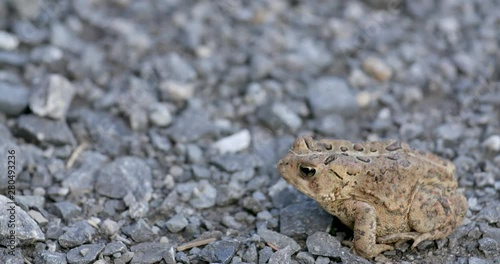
point(140, 126)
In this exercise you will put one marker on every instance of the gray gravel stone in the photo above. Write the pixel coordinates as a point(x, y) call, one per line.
point(250, 254)
point(124, 258)
point(489, 231)
point(169, 256)
point(278, 115)
point(310, 55)
point(159, 141)
point(106, 131)
point(191, 125)
point(281, 241)
point(149, 252)
point(420, 8)
point(229, 193)
point(67, 210)
point(282, 256)
point(140, 231)
point(38, 217)
point(260, 66)
point(110, 227)
point(16, 102)
point(411, 130)
point(232, 223)
point(177, 223)
point(84, 254)
point(37, 129)
point(7, 258)
point(30, 201)
point(465, 63)
point(304, 258)
point(46, 54)
point(63, 37)
point(236, 162)
point(490, 213)
point(182, 257)
point(57, 169)
point(160, 115)
point(322, 260)
point(489, 246)
point(78, 234)
point(323, 244)
point(114, 247)
point(332, 125)
point(219, 251)
point(348, 257)
point(175, 67)
point(82, 179)
point(484, 179)
point(474, 232)
point(201, 172)
point(265, 254)
point(357, 78)
point(124, 175)
point(253, 205)
point(303, 219)
point(28, 32)
point(48, 257)
point(476, 260)
point(425, 245)
point(52, 97)
point(331, 95)
point(42, 178)
point(28, 8)
point(450, 131)
point(284, 195)
point(27, 232)
point(203, 196)
point(13, 58)
point(194, 153)
point(54, 229)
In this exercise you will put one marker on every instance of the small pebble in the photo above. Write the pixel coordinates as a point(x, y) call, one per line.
point(8, 41)
point(377, 69)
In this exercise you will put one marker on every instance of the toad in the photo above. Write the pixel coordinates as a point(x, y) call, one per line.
point(385, 191)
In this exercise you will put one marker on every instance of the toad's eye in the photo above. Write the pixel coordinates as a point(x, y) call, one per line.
point(306, 172)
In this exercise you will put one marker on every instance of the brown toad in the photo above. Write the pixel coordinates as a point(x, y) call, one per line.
point(385, 191)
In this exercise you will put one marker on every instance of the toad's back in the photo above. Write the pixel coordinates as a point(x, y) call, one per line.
point(385, 171)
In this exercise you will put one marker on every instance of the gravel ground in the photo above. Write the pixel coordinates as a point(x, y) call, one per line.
point(149, 131)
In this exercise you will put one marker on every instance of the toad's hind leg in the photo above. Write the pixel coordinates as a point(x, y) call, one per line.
point(435, 213)
point(365, 229)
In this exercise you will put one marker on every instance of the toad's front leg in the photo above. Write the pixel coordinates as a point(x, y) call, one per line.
point(365, 229)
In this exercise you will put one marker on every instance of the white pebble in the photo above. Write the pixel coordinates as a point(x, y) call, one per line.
point(160, 115)
point(8, 41)
point(234, 143)
point(492, 143)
